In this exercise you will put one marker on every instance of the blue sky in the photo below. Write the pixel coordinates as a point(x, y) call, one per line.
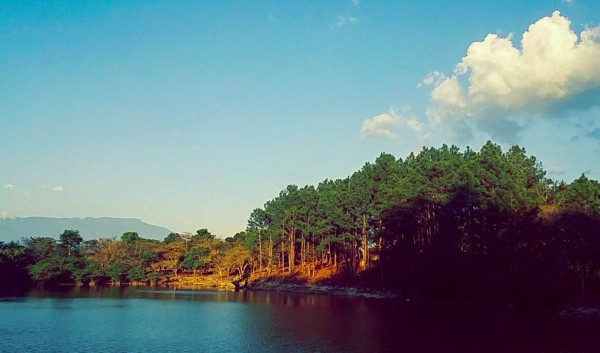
point(190, 114)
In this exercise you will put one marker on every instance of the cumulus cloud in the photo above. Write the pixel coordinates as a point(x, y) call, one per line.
point(391, 125)
point(380, 126)
point(495, 82)
point(58, 189)
point(356, 3)
point(8, 186)
point(433, 78)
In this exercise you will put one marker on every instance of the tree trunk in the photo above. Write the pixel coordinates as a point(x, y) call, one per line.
point(365, 242)
point(302, 255)
point(270, 252)
point(354, 255)
point(291, 253)
point(282, 257)
point(259, 250)
point(282, 249)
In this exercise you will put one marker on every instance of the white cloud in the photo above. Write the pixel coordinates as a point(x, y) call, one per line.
point(414, 124)
point(356, 3)
point(345, 21)
point(391, 125)
point(380, 126)
point(8, 186)
point(433, 78)
point(450, 99)
point(554, 69)
point(58, 188)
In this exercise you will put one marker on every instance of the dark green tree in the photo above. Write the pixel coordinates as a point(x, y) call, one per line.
point(70, 240)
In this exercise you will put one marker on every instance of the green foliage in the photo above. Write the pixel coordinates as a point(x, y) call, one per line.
point(60, 269)
point(71, 241)
point(203, 234)
point(147, 256)
point(582, 194)
point(172, 237)
point(449, 222)
point(14, 260)
point(50, 269)
point(85, 272)
point(40, 247)
point(117, 271)
point(485, 214)
point(235, 259)
point(130, 237)
point(196, 258)
point(137, 274)
point(90, 247)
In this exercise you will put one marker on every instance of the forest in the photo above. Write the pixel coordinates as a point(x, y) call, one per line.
point(441, 223)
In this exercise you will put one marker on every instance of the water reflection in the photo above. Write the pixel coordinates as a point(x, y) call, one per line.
point(114, 319)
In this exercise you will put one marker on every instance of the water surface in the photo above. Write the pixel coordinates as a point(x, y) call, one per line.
point(152, 320)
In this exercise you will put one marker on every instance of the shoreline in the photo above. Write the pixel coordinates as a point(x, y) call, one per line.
point(284, 285)
point(318, 289)
point(274, 285)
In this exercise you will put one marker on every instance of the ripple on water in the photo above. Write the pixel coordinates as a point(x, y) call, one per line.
point(118, 320)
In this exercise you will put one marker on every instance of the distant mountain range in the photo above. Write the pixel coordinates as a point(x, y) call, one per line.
point(89, 228)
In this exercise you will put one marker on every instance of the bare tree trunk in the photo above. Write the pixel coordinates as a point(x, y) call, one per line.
point(365, 242)
point(282, 258)
point(259, 250)
point(282, 249)
point(270, 252)
point(302, 255)
point(291, 254)
point(354, 255)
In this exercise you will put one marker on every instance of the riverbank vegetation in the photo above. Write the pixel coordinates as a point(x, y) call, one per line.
point(441, 223)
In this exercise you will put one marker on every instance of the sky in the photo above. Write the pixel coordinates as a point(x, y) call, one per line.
point(189, 115)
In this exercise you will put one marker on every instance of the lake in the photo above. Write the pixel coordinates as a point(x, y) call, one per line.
point(142, 319)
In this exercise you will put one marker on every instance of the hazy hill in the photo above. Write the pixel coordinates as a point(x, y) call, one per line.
point(89, 228)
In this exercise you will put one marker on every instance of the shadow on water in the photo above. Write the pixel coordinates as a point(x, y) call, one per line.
point(164, 319)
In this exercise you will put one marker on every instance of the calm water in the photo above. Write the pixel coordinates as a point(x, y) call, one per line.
point(150, 320)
